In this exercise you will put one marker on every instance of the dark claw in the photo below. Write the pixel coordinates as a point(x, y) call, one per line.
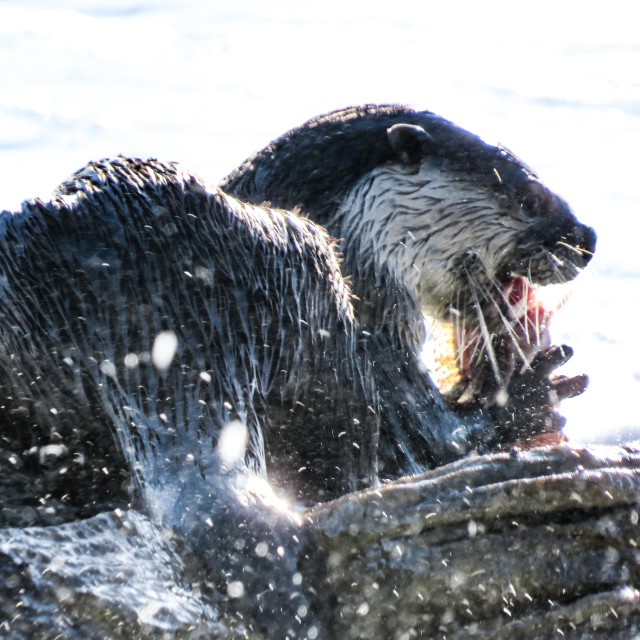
point(548, 361)
point(569, 387)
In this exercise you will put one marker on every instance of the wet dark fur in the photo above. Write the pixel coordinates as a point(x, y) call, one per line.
point(128, 249)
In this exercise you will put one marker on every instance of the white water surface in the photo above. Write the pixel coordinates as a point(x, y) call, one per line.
point(207, 83)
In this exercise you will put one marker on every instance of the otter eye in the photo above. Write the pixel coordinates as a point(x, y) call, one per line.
point(531, 204)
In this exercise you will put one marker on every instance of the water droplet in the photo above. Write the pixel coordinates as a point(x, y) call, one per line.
point(108, 368)
point(52, 451)
point(204, 274)
point(164, 349)
point(131, 360)
point(232, 442)
point(235, 589)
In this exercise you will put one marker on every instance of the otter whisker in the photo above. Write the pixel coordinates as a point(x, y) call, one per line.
point(465, 333)
point(564, 269)
point(508, 325)
point(579, 250)
point(559, 276)
point(458, 325)
point(556, 259)
point(461, 339)
point(484, 329)
point(539, 315)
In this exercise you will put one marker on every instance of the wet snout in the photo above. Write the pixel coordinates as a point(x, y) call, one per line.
point(567, 239)
point(577, 244)
point(584, 242)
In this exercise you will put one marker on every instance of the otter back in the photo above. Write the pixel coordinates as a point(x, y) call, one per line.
point(129, 250)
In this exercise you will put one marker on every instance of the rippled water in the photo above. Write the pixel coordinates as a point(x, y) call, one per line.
point(207, 83)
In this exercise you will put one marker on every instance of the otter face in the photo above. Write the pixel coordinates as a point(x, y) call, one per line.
point(430, 218)
point(468, 230)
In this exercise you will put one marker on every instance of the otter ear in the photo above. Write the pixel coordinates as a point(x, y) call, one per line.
point(410, 142)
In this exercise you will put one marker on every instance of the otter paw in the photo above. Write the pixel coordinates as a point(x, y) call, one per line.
point(530, 402)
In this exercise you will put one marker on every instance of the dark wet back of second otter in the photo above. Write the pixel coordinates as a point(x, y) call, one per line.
point(130, 250)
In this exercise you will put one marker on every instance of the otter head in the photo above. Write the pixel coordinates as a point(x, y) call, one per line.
point(450, 218)
point(469, 231)
point(432, 216)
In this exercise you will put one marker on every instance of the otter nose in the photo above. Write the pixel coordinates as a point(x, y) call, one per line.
point(585, 242)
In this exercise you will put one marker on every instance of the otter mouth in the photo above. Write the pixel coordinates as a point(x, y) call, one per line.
point(475, 357)
point(530, 316)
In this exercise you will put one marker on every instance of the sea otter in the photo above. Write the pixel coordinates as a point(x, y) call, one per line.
point(431, 219)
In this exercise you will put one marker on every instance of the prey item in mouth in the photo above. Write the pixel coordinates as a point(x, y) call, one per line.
point(469, 357)
point(467, 360)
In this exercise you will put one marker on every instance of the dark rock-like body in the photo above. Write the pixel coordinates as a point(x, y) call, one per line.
point(502, 547)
